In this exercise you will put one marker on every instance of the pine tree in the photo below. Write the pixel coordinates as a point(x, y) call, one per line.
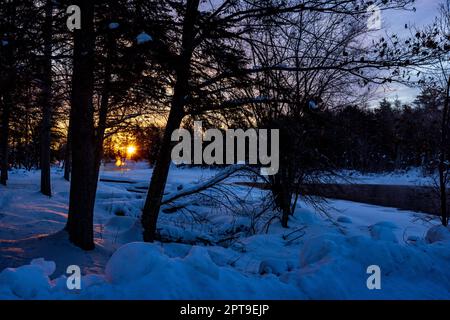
point(83, 182)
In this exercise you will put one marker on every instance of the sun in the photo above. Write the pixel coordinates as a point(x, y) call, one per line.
point(131, 150)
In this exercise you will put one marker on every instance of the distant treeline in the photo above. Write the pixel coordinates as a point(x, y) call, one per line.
point(392, 136)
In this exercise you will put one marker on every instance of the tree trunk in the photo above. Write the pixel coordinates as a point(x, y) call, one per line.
point(104, 105)
point(83, 181)
point(442, 194)
point(68, 154)
point(8, 88)
point(282, 195)
point(161, 170)
point(443, 166)
point(4, 137)
point(47, 102)
point(159, 177)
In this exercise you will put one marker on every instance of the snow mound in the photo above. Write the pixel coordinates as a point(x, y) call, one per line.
point(413, 238)
point(331, 266)
point(318, 250)
point(275, 266)
point(25, 282)
point(143, 38)
point(141, 271)
point(438, 233)
point(113, 25)
point(335, 267)
point(48, 267)
point(200, 261)
point(306, 216)
point(145, 257)
point(383, 231)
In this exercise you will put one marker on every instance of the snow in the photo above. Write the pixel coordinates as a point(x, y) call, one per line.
point(148, 255)
point(312, 105)
point(25, 282)
point(113, 25)
point(143, 38)
point(47, 267)
point(343, 219)
point(383, 231)
point(215, 253)
point(438, 233)
point(410, 177)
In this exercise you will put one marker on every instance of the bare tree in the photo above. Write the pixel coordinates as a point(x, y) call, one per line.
point(200, 86)
point(437, 78)
point(8, 80)
point(444, 156)
point(161, 170)
point(47, 101)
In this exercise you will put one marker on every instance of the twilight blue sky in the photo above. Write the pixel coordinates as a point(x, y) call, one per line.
point(394, 22)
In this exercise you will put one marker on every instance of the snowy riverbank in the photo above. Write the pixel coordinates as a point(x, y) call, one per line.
point(321, 256)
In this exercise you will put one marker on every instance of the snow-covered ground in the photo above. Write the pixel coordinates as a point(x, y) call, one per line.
point(410, 177)
point(215, 253)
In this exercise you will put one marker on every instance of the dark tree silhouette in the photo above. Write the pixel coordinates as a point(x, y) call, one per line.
point(83, 180)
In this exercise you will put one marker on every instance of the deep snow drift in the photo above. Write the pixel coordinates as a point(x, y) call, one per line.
point(216, 254)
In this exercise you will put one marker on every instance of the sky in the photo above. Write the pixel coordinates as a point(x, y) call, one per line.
point(394, 22)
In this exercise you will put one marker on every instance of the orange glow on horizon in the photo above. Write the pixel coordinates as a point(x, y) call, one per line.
point(119, 162)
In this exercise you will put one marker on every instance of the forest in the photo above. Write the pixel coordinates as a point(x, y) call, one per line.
point(95, 96)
